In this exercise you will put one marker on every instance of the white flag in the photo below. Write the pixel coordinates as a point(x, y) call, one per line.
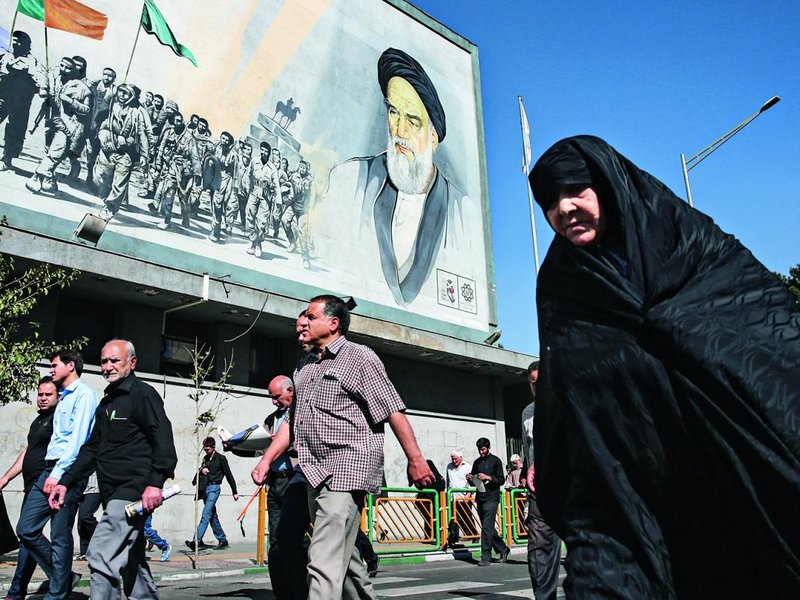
point(526, 137)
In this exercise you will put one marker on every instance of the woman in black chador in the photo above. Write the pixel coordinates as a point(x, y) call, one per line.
point(667, 436)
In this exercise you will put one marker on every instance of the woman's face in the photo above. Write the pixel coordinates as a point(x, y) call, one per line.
point(577, 215)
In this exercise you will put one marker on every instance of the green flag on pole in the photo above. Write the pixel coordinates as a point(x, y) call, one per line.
point(33, 8)
point(153, 22)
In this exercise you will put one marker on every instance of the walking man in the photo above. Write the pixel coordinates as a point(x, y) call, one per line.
point(72, 423)
point(133, 452)
point(31, 463)
point(544, 547)
point(209, 481)
point(487, 473)
point(281, 391)
point(343, 399)
point(124, 143)
point(21, 78)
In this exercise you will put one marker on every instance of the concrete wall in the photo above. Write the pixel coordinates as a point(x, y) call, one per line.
point(438, 432)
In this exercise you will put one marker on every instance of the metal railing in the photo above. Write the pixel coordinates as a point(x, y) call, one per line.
point(405, 519)
point(518, 512)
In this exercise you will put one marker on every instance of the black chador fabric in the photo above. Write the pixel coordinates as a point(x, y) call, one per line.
point(667, 418)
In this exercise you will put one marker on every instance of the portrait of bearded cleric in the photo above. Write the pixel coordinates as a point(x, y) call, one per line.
point(403, 213)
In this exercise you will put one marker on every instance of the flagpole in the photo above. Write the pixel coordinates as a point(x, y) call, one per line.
point(13, 24)
point(46, 50)
point(135, 41)
point(523, 121)
point(533, 226)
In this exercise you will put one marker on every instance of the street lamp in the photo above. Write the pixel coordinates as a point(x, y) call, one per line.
point(695, 160)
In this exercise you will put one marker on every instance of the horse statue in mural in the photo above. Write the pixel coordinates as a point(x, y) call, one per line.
point(288, 112)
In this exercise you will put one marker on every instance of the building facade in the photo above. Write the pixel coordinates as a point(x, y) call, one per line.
point(273, 185)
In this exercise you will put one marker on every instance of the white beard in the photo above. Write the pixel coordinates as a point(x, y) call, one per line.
point(410, 177)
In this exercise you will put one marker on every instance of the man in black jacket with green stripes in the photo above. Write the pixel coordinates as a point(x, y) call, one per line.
point(133, 451)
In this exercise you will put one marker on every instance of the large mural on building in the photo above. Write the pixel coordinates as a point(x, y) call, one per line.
point(334, 144)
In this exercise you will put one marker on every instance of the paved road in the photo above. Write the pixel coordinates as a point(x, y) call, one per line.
point(450, 580)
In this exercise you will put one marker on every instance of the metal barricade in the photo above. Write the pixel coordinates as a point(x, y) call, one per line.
point(412, 520)
point(518, 512)
point(405, 516)
point(462, 509)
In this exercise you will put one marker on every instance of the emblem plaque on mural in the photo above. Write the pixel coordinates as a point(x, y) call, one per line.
point(456, 292)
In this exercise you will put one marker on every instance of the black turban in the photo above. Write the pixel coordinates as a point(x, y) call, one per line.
point(396, 63)
point(556, 170)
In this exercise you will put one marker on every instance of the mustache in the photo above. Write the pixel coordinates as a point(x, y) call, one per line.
point(403, 143)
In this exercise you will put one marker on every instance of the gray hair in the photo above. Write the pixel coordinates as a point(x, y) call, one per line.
point(127, 343)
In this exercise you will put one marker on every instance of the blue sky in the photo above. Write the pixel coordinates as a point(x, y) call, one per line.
point(654, 79)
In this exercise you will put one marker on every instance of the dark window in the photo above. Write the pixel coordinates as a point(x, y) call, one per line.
point(181, 337)
point(80, 317)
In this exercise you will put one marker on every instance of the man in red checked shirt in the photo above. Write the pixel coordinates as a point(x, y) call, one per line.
point(343, 399)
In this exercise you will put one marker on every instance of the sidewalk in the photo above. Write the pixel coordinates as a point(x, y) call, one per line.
point(238, 559)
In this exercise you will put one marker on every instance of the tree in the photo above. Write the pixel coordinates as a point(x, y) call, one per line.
point(208, 403)
point(19, 293)
point(792, 281)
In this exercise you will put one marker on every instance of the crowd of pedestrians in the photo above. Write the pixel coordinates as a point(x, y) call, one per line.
point(82, 452)
point(661, 446)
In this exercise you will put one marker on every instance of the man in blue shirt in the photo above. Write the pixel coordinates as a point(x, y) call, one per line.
point(72, 423)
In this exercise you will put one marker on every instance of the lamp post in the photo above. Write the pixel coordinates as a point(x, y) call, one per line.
point(695, 160)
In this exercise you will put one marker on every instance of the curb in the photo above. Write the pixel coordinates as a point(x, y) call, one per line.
point(390, 559)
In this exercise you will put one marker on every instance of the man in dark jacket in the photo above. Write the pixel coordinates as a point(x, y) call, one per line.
point(213, 468)
point(487, 476)
point(133, 451)
point(31, 463)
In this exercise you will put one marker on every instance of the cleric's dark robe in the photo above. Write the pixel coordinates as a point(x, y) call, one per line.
point(667, 426)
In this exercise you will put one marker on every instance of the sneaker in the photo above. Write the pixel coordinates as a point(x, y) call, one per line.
point(257, 250)
point(150, 206)
point(166, 552)
point(214, 237)
point(201, 545)
point(49, 185)
point(34, 184)
point(4, 166)
point(150, 546)
point(484, 563)
point(222, 545)
point(251, 250)
point(372, 567)
point(106, 214)
point(80, 557)
point(163, 226)
point(76, 577)
point(504, 555)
